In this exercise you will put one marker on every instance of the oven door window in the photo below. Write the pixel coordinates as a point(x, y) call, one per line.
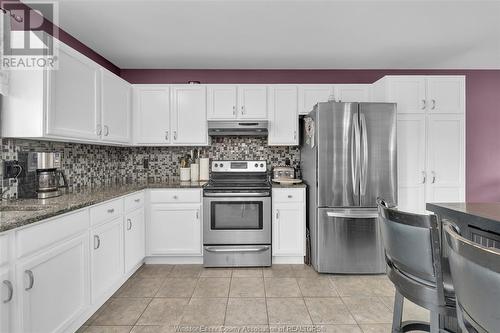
point(235, 215)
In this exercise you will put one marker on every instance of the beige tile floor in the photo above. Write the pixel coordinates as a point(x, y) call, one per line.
point(280, 299)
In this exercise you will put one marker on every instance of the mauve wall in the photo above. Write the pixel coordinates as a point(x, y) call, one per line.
point(483, 108)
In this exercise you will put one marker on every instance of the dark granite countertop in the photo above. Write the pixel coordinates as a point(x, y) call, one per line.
point(22, 212)
point(482, 215)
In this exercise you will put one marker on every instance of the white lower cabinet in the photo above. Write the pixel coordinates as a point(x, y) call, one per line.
point(135, 241)
point(175, 229)
point(53, 287)
point(106, 257)
point(289, 224)
point(6, 299)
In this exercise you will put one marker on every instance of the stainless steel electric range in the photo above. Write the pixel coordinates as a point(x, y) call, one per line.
point(237, 215)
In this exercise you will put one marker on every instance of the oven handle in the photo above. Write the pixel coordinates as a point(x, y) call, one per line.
point(231, 194)
point(236, 249)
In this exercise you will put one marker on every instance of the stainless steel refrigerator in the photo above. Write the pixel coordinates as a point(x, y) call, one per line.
point(348, 159)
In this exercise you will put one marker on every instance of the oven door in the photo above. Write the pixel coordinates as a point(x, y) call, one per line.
point(235, 218)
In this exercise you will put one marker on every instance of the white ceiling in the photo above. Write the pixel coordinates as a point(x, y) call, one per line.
point(300, 34)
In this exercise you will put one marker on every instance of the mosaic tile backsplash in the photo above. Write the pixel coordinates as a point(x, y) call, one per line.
point(92, 165)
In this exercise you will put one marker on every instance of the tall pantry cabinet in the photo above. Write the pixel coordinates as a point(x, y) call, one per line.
point(431, 137)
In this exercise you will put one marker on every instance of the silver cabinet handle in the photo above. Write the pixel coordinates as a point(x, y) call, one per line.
point(234, 110)
point(424, 104)
point(129, 224)
point(424, 177)
point(98, 240)
point(175, 197)
point(111, 210)
point(10, 289)
point(137, 200)
point(175, 135)
point(31, 279)
point(433, 177)
point(106, 133)
point(166, 135)
point(98, 130)
point(433, 107)
point(295, 135)
point(197, 215)
point(277, 214)
point(242, 109)
point(290, 196)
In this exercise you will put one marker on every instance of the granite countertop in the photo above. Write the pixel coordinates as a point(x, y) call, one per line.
point(489, 211)
point(279, 185)
point(26, 211)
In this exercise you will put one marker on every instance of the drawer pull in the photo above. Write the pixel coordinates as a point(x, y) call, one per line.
point(98, 240)
point(137, 200)
point(31, 279)
point(290, 196)
point(111, 210)
point(176, 197)
point(129, 224)
point(10, 289)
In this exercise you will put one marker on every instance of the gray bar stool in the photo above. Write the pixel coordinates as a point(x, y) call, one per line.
point(413, 256)
point(475, 270)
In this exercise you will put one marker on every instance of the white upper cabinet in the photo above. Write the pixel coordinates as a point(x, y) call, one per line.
point(152, 114)
point(352, 92)
point(446, 94)
point(311, 94)
point(412, 174)
point(189, 115)
point(115, 108)
point(221, 101)
point(252, 101)
point(73, 106)
point(446, 160)
point(283, 115)
point(407, 91)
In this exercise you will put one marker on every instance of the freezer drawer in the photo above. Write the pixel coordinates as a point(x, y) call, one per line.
point(349, 242)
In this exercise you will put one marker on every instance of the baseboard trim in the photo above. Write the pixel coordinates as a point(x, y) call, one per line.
point(288, 260)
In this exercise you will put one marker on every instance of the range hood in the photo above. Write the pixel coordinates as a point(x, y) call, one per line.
point(237, 128)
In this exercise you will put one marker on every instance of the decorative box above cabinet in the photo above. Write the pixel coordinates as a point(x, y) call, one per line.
point(228, 102)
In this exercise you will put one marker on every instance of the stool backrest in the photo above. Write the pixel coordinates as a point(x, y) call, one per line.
point(475, 271)
point(411, 243)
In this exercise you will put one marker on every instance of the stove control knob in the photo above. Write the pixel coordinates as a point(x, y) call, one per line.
point(221, 165)
point(216, 165)
point(256, 165)
point(262, 165)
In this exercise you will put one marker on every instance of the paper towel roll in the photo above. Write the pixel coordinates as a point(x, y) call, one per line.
point(204, 168)
point(195, 172)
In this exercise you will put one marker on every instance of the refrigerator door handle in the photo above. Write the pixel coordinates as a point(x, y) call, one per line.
point(355, 151)
point(364, 167)
point(350, 215)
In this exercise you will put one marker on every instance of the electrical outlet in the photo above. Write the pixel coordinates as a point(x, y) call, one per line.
point(11, 169)
point(145, 163)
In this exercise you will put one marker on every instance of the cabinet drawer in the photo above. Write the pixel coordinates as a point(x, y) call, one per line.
point(4, 249)
point(134, 201)
point(176, 196)
point(288, 195)
point(106, 211)
point(37, 237)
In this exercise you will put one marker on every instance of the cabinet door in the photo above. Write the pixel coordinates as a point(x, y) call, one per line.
point(175, 230)
point(135, 241)
point(106, 257)
point(115, 108)
point(6, 299)
point(445, 158)
point(53, 287)
point(152, 114)
point(284, 117)
point(252, 102)
point(221, 102)
point(446, 94)
point(411, 162)
point(73, 108)
point(288, 229)
point(352, 92)
point(189, 115)
point(311, 94)
point(408, 92)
